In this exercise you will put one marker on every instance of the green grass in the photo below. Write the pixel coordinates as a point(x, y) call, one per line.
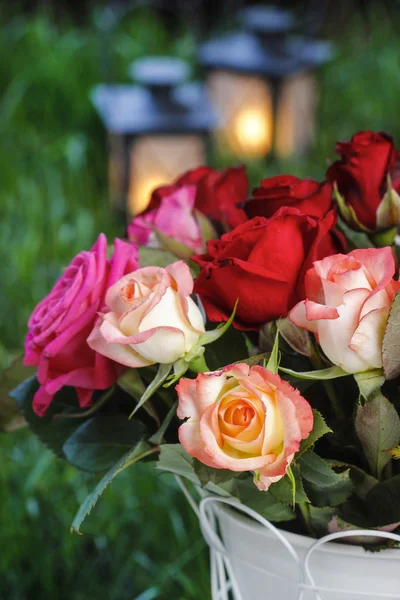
point(142, 540)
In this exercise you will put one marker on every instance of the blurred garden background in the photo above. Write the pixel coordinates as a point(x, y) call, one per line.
point(141, 541)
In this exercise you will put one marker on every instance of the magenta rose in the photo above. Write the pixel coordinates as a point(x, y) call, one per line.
point(61, 323)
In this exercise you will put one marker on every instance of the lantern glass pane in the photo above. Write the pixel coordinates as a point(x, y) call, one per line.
point(157, 160)
point(244, 107)
point(116, 168)
point(295, 115)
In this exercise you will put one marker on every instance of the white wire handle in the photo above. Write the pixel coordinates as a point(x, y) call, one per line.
point(223, 580)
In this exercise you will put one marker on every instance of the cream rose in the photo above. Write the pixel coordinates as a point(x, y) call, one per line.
point(347, 307)
point(151, 317)
point(244, 419)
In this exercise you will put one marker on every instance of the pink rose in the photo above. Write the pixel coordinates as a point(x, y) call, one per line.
point(174, 217)
point(347, 307)
point(150, 319)
point(244, 419)
point(61, 323)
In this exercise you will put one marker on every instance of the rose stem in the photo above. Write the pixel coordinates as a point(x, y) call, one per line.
point(305, 513)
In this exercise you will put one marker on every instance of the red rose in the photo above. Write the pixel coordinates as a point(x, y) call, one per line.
point(308, 196)
point(217, 193)
point(61, 323)
point(262, 263)
point(361, 176)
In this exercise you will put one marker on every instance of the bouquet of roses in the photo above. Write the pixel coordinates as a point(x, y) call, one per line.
point(246, 342)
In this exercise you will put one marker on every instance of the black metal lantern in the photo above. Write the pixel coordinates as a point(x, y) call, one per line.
point(157, 129)
point(262, 84)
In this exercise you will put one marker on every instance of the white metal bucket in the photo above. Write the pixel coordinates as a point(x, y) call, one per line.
point(253, 560)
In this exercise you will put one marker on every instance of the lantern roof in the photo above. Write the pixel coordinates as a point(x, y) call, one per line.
point(161, 102)
point(265, 46)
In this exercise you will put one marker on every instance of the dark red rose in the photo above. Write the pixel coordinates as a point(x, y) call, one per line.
point(262, 263)
point(217, 193)
point(308, 196)
point(361, 177)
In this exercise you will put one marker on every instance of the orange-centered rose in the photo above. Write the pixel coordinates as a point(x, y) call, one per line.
point(244, 419)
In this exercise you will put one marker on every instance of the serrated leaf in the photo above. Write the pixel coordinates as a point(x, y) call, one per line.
point(209, 475)
point(282, 490)
point(263, 502)
point(141, 450)
point(391, 341)
point(319, 375)
point(316, 471)
point(101, 441)
point(330, 495)
point(319, 429)
point(53, 432)
point(377, 427)
point(320, 517)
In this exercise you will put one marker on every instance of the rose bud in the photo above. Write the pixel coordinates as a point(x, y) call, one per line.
point(218, 193)
point(347, 307)
point(175, 218)
point(62, 321)
point(150, 319)
point(244, 419)
point(367, 178)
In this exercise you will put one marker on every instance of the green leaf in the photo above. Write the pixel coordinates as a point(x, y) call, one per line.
point(391, 342)
point(208, 474)
point(319, 429)
point(162, 374)
point(316, 471)
point(174, 459)
point(226, 350)
point(214, 334)
point(369, 383)
point(10, 415)
point(141, 450)
point(296, 337)
point(263, 502)
point(157, 438)
point(320, 375)
point(153, 257)
point(256, 359)
point(53, 432)
point(383, 502)
point(332, 495)
point(377, 427)
point(282, 490)
point(132, 384)
point(273, 361)
point(101, 441)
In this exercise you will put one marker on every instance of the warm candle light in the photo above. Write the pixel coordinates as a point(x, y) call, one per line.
point(253, 129)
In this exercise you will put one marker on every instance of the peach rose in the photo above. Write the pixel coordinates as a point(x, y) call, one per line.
point(244, 419)
point(150, 319)
point(347, 307)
